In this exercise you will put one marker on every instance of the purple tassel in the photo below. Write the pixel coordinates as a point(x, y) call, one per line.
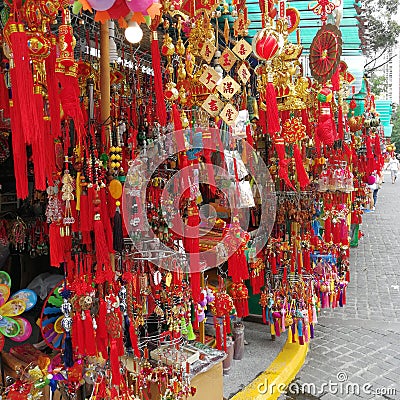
point(312, 331)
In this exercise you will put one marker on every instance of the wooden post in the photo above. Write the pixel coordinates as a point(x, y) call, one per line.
point(105, 90)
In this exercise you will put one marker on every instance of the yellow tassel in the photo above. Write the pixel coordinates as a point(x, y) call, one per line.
point(78, 191)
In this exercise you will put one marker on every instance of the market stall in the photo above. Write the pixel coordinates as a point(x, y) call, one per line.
point(173, 171)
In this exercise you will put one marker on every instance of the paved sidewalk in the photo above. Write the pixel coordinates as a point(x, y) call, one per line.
point(258, 355)
point(356, 352)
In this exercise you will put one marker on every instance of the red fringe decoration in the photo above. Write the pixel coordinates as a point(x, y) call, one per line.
point(102, 255)
point(237, 267)
point(79, 334)
point(283, 164)
point(272, 110)
point(56, 245)
point(69, 96)
point(302, 176)
point(158, 84)
point(19, 154)
point(336, 233)
point(325, 129)
point(90, 337)
point(22, 84)
point(84, 216)
point(114, 362)
point(262, 122)
point(53, 95)
point(307, 261)
point(305, 120)
point(335, 79)
point(218, 339)
point(101, 332)
point(328, 230)
point(272, 263)
point(134, 339)
point(39, 148)
point(370, 156)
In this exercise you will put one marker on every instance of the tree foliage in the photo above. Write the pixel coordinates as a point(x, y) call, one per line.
point(378, 84)
point(384, 30)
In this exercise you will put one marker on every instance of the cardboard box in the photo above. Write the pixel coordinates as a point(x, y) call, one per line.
point(210, 384)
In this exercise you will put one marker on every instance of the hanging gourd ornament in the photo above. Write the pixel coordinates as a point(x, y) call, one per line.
point(267, 44)
point(325, 95)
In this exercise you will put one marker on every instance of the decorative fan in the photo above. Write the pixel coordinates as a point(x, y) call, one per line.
point(51, 318)
point(325, 52)
point(11, 325)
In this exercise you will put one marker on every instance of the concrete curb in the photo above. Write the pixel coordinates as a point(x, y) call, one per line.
point(271, 383)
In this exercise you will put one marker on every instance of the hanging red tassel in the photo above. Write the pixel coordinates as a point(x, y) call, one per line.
point(328, 230)
point(370, 156)
point(335, 79)
point(302, 176)
point(56, 245)
point(307, 261)
point(78, 334)
point(262, 122)
point(272, 263)
point(101, 331)
point(292, 261)
point(336, 233)
point(19, 153)
point(325, 128)
point(52, 91)
point(134, 340)
point(218, 338)
point(90, 337)
point(283, 163)
point(39, 147)
point(22, 83)
point(158, 84)
point(114, 362)
point(272, 110)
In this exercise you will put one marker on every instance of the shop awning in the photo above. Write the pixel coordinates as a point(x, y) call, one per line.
point(384, 108)
point(310, 23)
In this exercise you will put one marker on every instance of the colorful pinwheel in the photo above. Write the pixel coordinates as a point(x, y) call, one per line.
point(11, 324)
